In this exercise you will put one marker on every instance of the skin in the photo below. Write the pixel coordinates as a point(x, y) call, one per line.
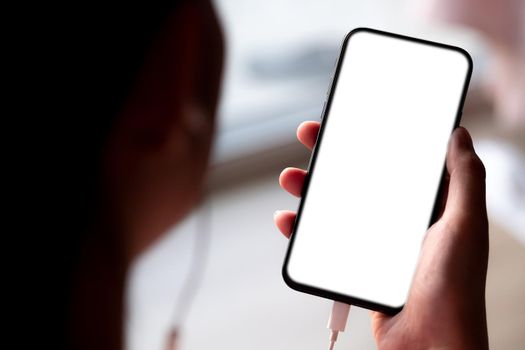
point(446, 304)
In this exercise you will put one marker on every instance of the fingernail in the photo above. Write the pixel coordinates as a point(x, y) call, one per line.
point(275, 213)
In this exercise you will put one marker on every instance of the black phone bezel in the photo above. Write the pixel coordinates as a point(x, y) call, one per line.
point(324, 116)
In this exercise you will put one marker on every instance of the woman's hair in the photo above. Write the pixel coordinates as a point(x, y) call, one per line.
point(87, 56)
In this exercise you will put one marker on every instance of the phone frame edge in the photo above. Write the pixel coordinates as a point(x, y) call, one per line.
point(330, 294)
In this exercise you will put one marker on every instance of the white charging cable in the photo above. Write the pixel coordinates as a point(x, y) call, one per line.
point(337, 321)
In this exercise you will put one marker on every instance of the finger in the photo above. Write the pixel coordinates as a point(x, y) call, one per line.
point(284, 220)
point(292, 180)
point(379, 323)
point(466, 190)
point(307, 133)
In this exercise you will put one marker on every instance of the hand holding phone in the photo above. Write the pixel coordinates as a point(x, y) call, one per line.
point(371, 192)
point(446, 304)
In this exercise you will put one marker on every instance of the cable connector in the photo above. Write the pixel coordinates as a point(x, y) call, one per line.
point(337, 321)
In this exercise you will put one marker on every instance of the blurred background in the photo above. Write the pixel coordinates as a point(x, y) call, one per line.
point(217, 275)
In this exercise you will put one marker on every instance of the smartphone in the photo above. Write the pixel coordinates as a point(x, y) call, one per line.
point(373, 181)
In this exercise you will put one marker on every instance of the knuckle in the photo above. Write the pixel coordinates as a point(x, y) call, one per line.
point(473, 165)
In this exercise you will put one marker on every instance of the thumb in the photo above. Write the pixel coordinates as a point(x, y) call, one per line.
point(466, 190)
point(448, 292)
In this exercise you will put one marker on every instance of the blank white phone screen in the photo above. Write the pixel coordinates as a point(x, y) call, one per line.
point(378, 168)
